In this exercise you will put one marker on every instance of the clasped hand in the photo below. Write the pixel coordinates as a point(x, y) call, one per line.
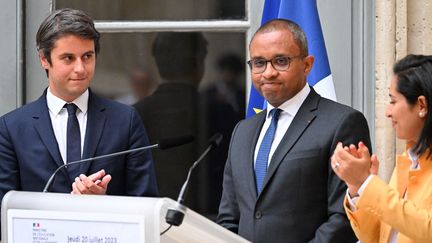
point(353, 165)
point(96, 183)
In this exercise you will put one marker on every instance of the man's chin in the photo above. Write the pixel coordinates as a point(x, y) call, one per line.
point(272, 101)
point(76, 92)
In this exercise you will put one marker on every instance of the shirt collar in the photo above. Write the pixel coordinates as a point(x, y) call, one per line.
point(292, 105)
point(422, 161)
point(55, 104)
point(414, 158)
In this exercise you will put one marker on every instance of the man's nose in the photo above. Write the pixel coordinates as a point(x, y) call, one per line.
point(269, 70)
point(79, 65)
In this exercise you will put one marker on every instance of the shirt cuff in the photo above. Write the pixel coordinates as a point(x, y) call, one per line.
point(352, 201)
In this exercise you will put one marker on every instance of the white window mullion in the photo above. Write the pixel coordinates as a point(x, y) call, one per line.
point(159, 26)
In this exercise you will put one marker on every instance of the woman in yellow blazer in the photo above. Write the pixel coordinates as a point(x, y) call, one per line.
point(402, 210)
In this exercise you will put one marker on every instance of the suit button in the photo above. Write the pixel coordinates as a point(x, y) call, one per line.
point(258, 214)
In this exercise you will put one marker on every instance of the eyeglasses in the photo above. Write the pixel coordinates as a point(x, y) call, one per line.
point(280, 63)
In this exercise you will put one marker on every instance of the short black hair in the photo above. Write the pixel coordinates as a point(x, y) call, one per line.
point(64, 22)
point(414, 79)
point(299, 35)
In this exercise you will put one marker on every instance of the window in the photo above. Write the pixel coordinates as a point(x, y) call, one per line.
point(183, 66)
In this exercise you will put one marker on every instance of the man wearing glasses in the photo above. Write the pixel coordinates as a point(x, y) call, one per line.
point(278, 183)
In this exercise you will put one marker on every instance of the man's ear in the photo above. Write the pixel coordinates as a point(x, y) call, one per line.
point(43, 60)
point(308, 62)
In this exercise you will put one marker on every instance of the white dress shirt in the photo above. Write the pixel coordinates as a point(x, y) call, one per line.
point(59, 117)
point(289, 110)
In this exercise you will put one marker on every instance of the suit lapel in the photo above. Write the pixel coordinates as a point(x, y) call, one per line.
point(95, 125)
point(300, 123)
point(43, 126)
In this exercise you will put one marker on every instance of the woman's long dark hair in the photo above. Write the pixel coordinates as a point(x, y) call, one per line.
point(414, 79)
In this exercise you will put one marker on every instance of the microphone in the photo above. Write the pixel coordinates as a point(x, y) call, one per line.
point(174, 216)
point(162, 144)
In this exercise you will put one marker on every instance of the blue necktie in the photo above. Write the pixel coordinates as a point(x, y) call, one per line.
point(73, 139)
point(264, 150)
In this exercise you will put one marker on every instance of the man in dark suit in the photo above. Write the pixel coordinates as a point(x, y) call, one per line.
point(41, 136)
point(278, 183)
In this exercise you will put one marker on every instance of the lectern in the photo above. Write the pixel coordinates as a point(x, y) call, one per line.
point(57, 217)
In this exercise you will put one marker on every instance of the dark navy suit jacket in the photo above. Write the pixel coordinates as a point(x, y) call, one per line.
point(302, 198)
point(29, 153)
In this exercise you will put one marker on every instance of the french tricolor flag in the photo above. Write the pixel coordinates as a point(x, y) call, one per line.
point(305, 14)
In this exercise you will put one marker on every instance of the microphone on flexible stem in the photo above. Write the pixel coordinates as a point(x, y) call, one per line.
point(174, 216)
point(162, 144)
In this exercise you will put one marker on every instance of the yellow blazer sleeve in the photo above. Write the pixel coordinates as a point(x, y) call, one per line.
point(381, 202)
point(366, 226)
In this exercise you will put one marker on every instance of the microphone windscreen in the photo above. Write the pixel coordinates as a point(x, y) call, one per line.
point(175, 141)
point(215, 140)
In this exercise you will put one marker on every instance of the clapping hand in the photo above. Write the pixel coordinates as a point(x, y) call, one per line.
point(353, 165)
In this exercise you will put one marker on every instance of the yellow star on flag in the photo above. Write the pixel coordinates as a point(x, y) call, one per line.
point(257, 110)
